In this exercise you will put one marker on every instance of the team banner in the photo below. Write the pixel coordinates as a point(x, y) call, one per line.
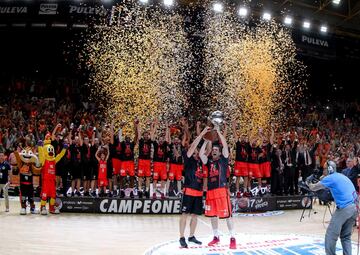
point(173, 206)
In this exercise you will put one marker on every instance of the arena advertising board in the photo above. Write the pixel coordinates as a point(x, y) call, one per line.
point(250, 244)
point(173, 206)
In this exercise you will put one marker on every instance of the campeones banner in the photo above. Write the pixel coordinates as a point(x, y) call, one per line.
point(173, 206)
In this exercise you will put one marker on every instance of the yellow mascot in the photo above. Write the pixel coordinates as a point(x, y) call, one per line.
point(48, 161)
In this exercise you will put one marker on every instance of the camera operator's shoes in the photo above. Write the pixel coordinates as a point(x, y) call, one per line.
point(215, 240)
point(194, 240)
point(23, 211)
point(183, 242)
point(232, 243)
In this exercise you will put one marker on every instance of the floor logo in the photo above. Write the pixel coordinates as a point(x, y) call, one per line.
point(249, 244)
point(260, 214)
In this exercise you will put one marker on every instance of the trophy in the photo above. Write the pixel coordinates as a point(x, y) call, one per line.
point(217, 119)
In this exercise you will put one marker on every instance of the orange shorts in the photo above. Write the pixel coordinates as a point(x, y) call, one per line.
point(218, 203)
point(144, 168)
point(127, 168)
point(176, 172)
point(160, 171)
point(116, 165)
point(102, 182)
point(241, 168)
point(265, 169)
point(254, 170)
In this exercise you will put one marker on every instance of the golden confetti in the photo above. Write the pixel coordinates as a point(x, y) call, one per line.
point(252, 73)
point(137, 65)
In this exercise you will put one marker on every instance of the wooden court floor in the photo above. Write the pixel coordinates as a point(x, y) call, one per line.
point(70, 233)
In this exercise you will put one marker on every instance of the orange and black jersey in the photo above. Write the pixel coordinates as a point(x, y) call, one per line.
point(175, 153)
point(127, 150)
point(144, 148)
point(217, 172)
point(242, 151)
point(160, 151)
point(193, 172)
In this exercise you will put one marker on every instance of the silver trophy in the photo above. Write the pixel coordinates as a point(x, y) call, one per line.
point(217, 119)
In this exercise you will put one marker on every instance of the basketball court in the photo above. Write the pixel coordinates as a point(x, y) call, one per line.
point(81, 233)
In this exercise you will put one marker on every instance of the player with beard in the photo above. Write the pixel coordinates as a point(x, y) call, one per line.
point(127, 164)
point(160, 160)
point(241, 167)
point(144, 161)
point(265, 162)
point(217, 204)
point(193, 189)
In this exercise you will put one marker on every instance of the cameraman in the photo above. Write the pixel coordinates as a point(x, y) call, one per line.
point(344, 218)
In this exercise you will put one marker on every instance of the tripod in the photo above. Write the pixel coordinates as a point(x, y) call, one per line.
point(312, 197)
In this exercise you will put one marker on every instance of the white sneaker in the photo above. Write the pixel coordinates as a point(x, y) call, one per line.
point(44, 211)
point(34, 211)
point(57, 211)
point(7, 210)
point(23, 211)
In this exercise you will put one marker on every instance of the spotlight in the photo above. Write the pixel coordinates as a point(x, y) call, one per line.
point(336, 2)
point(323, 29)
point(218, 7)
point(306, 24)
point(243, 12)
point(168, 3)
point(144, 1)
point(266, 16)
point(288, 20)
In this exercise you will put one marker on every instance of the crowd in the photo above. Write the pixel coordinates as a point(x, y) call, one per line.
point(102, 158)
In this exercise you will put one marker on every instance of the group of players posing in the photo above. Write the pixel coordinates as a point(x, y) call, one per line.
point(107, 161)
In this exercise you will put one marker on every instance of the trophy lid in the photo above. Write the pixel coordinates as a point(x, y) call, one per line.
point(217, 118)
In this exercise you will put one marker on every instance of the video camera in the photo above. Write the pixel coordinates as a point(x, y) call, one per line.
point(324, 195)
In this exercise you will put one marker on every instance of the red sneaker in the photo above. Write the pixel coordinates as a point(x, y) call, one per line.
point(154, 195)
point(162, 195)
point(238, 194)
point(52, 209)
point(232, 243)
point(214, 241)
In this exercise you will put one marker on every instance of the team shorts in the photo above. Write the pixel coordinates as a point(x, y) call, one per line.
point(241, 169)
point(102, 182)
point(192, 204)
point(254, 169)
point(144, 168)
point(265, 169)
point(127, 168)
point(160, 171)
point(217, 203)
point(116, 166)
point(175, 172)
point(48, 189)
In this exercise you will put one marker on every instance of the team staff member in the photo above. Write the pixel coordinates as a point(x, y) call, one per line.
point(193, 190)
point(4, 179)
point(217, 204)
point(343, 219)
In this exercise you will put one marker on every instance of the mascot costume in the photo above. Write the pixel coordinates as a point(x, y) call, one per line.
point(48, 161)
point(27, 165)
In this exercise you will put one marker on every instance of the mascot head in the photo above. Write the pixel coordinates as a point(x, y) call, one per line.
point(49, 151)
point(28, 156)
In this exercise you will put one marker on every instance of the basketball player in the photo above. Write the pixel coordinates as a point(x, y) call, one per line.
point(265, 162)
point(160, 160)
point(116, 155)
point(217, 204)
point(254, 164)
point(85, 163)
point(75, 164)
point(241, 167)
point(144, 162)
point(193, 189)
point(127, 164)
